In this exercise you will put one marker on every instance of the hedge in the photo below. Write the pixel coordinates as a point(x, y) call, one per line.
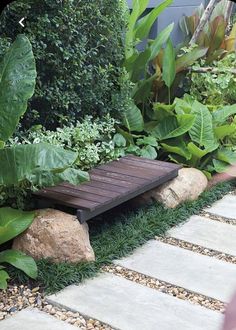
point(78, 46)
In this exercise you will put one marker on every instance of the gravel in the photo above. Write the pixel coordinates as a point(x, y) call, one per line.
point(167, 288)
point(198, 249)
point(16, 298)
point(211, 216)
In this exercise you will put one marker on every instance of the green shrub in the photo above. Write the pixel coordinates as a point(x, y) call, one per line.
point(26, 167)
point(78, 48)
point(91, 139)
point(215, 88)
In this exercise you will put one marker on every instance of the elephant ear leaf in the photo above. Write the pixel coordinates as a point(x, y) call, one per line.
point(42, 164)
point(13, 222)
point(17, 83)
point(3, 279)
point(20, 261)
point(202, 130)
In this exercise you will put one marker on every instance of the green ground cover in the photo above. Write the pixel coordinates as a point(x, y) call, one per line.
point(116, 234)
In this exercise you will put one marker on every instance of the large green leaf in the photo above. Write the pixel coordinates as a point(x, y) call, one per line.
point(161, 39)
point(189, 58)
point(133, 119)
point(202, 129)
point(220, 116)
point(13, 222)
point(17, 83)
point(169, 69)
point(144, 25)
point(138, 7)
point(42, 164)
point(3, 279)
point(139, 65)
point(182, 107)
point(225, 130)
point(226, 155)
point(171, 127)
point(142, 89)
point(198, 152)
point(218, 29)
point(161, 111)
point(20, 261)
point(220, 166)
point(177, 146)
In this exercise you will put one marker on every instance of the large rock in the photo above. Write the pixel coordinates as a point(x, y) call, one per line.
point(58, 236)
point(188, 185)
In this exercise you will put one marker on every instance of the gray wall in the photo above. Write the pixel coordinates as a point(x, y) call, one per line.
point(173, 13)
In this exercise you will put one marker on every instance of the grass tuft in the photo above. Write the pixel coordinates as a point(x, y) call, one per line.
point(116, 234)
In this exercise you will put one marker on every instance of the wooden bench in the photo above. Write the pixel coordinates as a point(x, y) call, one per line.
point(110, 185)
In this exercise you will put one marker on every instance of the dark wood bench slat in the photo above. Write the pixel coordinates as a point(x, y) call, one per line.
point(96, 188)
point(150, 161)
point(146, 166)
point(112, 181)
point(80, 194)
point(120, 176)
point(68, 200)
point(130, 170)
point(136, 171)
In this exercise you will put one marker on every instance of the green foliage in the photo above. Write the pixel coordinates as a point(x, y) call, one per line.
point(205, 144)
point(34, 166)
point(17, 83)
point(215, 88)
point(90, 139)
point(78, 47)
point(169, 65)
point(215, 36)
point(13, 223)
point(157, 70)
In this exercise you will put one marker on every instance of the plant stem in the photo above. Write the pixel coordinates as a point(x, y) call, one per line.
point(205, 17)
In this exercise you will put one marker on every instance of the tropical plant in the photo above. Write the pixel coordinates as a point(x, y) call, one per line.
point(33, 166)
point(12, 223)
point(154, 70)
point(205, 142)
point(214, 36)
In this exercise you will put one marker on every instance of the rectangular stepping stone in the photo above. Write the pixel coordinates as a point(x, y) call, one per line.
point(193, 271)
point(226, 207)
point(207, 233)
point(29, 319)
point(127, 305)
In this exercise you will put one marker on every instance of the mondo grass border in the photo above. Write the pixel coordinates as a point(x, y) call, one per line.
point(117, 235)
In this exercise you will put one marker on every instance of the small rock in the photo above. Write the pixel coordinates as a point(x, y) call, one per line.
point(189, 184)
